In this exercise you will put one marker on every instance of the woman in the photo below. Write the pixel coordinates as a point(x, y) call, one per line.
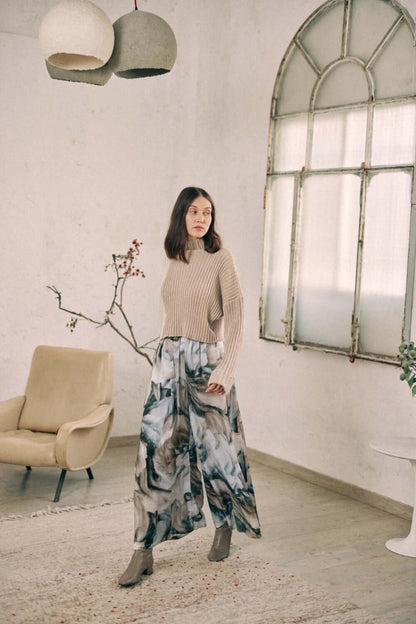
point(191, 412)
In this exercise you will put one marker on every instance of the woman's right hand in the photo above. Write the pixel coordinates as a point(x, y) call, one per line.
point(215, 389)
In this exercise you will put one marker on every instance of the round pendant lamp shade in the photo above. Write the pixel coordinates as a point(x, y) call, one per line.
point(145, 45)
point(98, 76)
point(76, 34)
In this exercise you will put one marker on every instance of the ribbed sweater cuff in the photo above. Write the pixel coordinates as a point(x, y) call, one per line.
point(223, 379)
point(233, 318)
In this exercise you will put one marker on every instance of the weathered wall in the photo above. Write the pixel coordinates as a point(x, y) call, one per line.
point(86, 169)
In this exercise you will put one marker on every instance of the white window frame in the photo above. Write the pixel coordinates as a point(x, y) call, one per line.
point(363, 172)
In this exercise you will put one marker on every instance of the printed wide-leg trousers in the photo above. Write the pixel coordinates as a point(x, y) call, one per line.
point(185, 429)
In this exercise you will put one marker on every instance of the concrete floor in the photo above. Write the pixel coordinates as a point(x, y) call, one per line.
point(327, 539)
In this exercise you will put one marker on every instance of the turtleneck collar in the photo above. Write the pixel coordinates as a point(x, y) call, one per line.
point(196, 243)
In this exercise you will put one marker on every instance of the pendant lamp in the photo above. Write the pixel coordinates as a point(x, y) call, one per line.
point(145, 45)
point(76, 35)
point(98, 76)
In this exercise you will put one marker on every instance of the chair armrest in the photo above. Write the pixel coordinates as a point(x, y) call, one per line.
point(81, 443)
point(10, 411)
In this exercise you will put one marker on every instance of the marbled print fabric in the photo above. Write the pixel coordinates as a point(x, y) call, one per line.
point(185, 431)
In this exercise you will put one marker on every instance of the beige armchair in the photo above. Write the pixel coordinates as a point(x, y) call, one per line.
point(65, 417)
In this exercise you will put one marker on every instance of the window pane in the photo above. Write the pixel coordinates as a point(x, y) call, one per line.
point(290, 143)
point(296, 84)
point(322, 37)
point(346, 83)
point(339, 139)
point(277, 245)
point(394, 70)
point(327, 259)
point(361, 113)
point(364, 40)
point(394, 134)
point(386, 241)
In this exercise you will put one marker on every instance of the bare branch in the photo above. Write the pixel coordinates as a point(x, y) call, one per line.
point(123, 265)
point(115, 266)
point(135, 347)
point(78, 314)
point(127, 323)
point(145, 345)
point(123, 283)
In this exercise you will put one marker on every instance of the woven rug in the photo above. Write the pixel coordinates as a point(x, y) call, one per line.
point(63, 568)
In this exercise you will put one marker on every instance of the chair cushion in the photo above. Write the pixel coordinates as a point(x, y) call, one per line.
point(65, 385)
point(27, 448)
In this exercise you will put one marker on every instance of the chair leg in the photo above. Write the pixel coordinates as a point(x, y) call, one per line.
point(59, 488)
point(61, 482)
point(28, 467)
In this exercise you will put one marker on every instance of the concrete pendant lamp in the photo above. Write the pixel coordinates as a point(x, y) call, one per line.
point(145, 45)
point(76, 35)
point(98, 76)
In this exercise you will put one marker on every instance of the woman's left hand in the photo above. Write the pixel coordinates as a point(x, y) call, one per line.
point(215, 389)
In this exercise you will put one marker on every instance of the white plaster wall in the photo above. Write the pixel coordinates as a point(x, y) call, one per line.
point(86, 169)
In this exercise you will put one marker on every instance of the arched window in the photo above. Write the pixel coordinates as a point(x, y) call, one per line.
point(340, 221)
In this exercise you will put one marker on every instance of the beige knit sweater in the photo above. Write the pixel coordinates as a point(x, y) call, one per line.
point(203, 302)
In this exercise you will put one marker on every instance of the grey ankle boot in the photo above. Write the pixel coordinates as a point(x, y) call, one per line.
point(140, 563)
point(220, 548)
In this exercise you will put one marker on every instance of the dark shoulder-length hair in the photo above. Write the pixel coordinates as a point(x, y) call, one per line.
point(177, 236)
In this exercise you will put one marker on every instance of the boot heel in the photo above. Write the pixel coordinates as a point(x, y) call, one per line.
point(220, 548)
point(140, 564)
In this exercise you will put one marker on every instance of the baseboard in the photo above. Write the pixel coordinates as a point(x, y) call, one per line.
point(335, 485)
point(127, 440)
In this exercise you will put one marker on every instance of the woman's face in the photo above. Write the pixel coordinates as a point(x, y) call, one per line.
point(198, 218)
